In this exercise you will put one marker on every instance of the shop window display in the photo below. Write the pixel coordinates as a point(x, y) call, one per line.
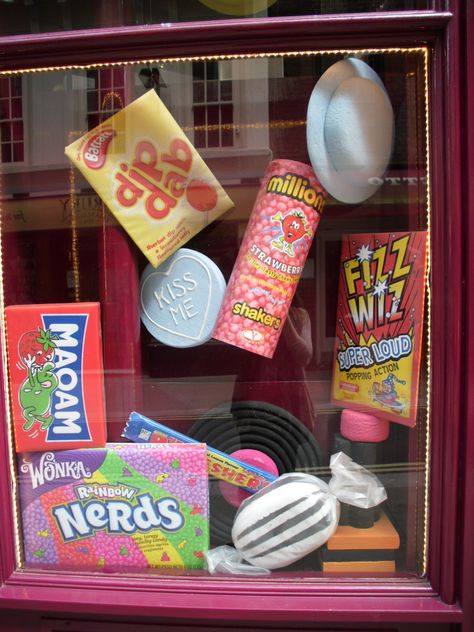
point(197, 328)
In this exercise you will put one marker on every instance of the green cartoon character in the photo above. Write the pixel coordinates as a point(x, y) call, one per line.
point(36, 351)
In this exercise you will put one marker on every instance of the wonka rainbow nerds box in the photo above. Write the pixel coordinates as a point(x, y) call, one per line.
point(56, 376)
point(122, 507)
point(152, 179)
point(379, 324)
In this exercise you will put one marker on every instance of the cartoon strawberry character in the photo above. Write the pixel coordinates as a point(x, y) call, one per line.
point(36, 351)
point(35, 348)
point(293, 229)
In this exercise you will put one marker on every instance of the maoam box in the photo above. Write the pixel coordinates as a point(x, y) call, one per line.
point(56, 376)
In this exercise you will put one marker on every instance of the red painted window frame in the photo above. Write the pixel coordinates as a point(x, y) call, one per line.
point(15, 145)
point(436, 599)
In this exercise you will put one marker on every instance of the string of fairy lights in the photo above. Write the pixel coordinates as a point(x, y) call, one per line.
point(428, 308)
point(418, 467)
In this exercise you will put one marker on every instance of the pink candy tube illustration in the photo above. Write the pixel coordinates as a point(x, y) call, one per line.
point(271, 258)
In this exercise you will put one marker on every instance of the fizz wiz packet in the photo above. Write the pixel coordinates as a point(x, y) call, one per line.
point(271, 258)
point(56, 376)
point(124, 506)
point(146, 171)
point(379, 324)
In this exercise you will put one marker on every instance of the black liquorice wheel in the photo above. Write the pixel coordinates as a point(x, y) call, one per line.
point(257, 426)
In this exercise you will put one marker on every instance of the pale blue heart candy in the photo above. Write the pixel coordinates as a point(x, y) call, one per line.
point(181, 298)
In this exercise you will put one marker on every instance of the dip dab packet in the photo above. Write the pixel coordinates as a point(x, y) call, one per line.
point(379, 324)
point(56, 376)
point(148, 174)
point(122, 507)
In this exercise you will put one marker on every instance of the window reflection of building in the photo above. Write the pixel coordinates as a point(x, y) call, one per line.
point(11, 120)
point(213, 109)
point(105, 94)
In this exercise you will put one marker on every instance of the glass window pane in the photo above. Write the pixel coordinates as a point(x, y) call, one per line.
point(36, 16)
point(92, 79)
point(17, 108)
point(321, 211)
point(226, 90)
point(6, 152)
point(4, 108)
point(227, 114)
point(117, 77)
point(92, 100)
point(198, 70)
point(198, 91)
point(227, 137)
point(18, 152)
point(199, 115)
point(213, 137)
point(17, 130)
point(212, 91)
point(5, 130)
point(93, 120)
point(105, 78)
point(200, 138)
point(16, 88)
point(5, 87)
point(212, 115)
point(212, 70)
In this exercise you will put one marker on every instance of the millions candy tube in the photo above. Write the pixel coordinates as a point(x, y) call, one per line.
point(271, 258)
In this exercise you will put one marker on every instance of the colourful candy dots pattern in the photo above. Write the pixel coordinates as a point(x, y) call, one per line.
point(38, 539)
point(181, 474)
point(44, 545)
point(261, 230)
point(113, 552)
point(78, 554)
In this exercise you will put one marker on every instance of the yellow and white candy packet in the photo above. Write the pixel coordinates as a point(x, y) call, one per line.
point(142, 165)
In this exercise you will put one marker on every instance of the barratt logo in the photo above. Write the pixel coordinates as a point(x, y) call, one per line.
point(95, 150)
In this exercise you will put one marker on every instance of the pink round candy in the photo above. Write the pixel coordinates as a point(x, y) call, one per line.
point(357, 426)
point(235, 495)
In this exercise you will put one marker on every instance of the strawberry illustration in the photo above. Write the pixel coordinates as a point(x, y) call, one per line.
point(293, 227)
point(37, 347)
